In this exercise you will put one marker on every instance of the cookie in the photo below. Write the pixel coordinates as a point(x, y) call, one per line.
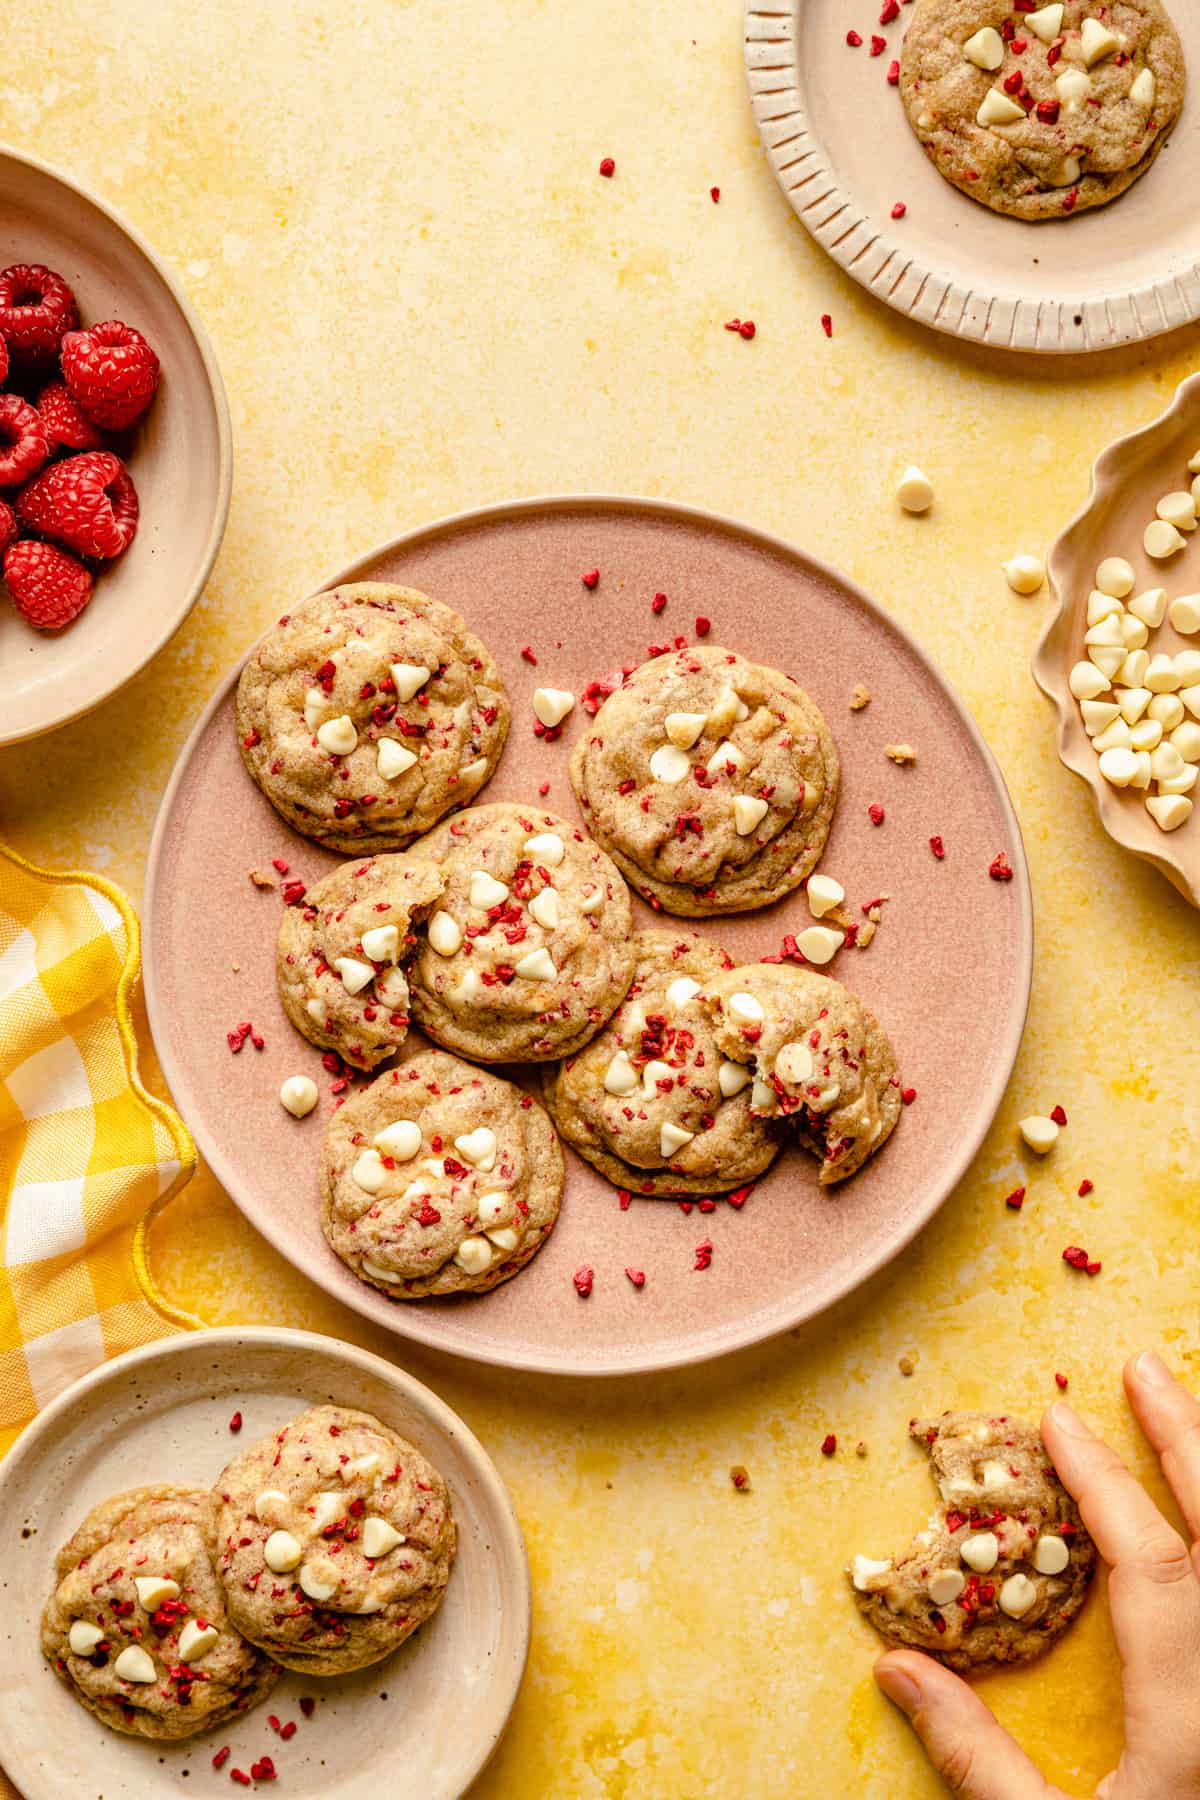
point(367, 713)
point(1041, 114)
point(1004, 1564)
point(439, 1179)
point(710, 780)
point(819, 1059)
point(650, 1102)
point(336, 1538)
point(339, 955)
point(137, 1626)
point(529, 950)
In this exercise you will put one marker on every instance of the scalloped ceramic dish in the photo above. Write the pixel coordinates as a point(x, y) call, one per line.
point(162, 1412)
point(1127, 480)
point(181, 461)
point(843, 153)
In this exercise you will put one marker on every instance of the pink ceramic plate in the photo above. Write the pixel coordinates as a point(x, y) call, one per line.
point(948, 972)
point(181, 462)
point(1128, 479)
point(844, 154)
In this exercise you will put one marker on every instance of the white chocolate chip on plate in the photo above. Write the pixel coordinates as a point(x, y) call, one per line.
point(1169, 811)
point(298, 1095)
point(1162, 677)
point(1024, 574)
point(819, 943)
point(1160, 540)
point(1041, 1134)
point(1132, 672)
point(1086, 682)
point(1133, 702)
point(1184, 614)
point(1097, 714)
point(1179, 509)
point(551, 705)
point(1167, 709)
point(1101, 606)
point(1150, 607)
point(1115, 576)
point(823, 894)
point(914, 490)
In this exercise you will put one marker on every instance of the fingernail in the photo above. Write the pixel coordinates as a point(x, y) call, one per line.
point(1068, 1420)
point(898, 1687)
point(1151, 1369)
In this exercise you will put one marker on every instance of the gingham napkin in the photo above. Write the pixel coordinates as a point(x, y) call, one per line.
point(86, 1155)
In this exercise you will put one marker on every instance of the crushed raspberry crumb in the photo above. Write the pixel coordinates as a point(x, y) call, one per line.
point(528, 655)
point(899, 210)
point(853, 39)
point(878, 45)
point(893, 74)
point(828, 1444)
point(704, 1255)
point(703, 626)
point(876, 814)
point(583, 1279)
point(1078, 1259)
point(221, 1757)
point(543, 788)
point(1060, 1381)
point(747, 328)
point(999, 869)
point(738, 1198)
point(1085, 1188)
point(591, 579)
point(235, 1423)
point(1016, 1200)
point(740, 1478)
point(658, 602)
point(826, 318)
point(607, 166)
point(908, 1095)
point(714, 194)
point(637, 1277)
point(1058, 1115)
point(938, 847)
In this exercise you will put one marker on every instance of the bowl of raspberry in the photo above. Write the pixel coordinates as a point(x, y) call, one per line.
point(115, 451)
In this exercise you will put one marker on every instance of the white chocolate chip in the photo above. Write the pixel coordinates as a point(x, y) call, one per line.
point(479, 1148)
point(282, 1552)
point(382, 944)
point(317, 1584)
point(401, 1140)
point(493, 1209)
point(748, 813)
point(1072, 88)
point(981, 1552)
point(985, 49)
point(1150, 607)
point(409, 679)
point(378, 1537)
point(1132, 672)
point(1096, 42)
point(1101, 606)
point(196, 1640)
point(393, 759)
point(544, 909)
point(474, 1255)
point(356, 975)
point(1051, 1555)
point(547, 847)
point(1115, 576)
point(1117, 736)
point(445, 934)
point(314, 706)
point(1134, 633)
point(1161, 540)
point(763, 1098)
point(152, 1590)
point(551, 705)
point(377, 1272)
point(369, 1173)
point(724, 712)
point(1146, 735)
point(1108, 658)
point(326, 1508)
point(1178, 508)
point(1133, 702)
point(794, 1064)
point(1086, 682)
point(134, 1664)
point(83, 1637)
point(819, 943)
point(1184, 614)
point(1024, 574)
point(298, 1095)
point(391, 988)
point(1142, 775)
point(914, 490)
point(593, 901)
point(1119, 765)
point(485, 891)
point(1097, 714)
point(744, 1009)
point(681, 992)
point(1141, 90)
point(270, 1506)
point(724, 755)
point(1040, 1134)
point(944, 1586)
point(1179, 784)
point(683, 728)
point(652, 1074)
point(1018, 1593)
point(504, 1239)
point(537, 966)
point(1187, 666)
point(732, 1078)
point(865, 1569)
point(1162, 677)
point(473, 772)
point(1169, 811)
point(1046, 23)
point(672, 1138)
point(1167, 709)
point(996, 109)
point(823, 894)
point(620, 1078)
point(1106, 631)
point(338, 736)
point(1185, 738)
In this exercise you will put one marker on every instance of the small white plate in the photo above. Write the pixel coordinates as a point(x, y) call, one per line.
point(423, 1723)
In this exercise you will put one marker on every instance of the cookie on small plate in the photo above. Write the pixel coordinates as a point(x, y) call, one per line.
point(1004, 1564)
point(439, 1179)
point(1045, 113)
point(710, 780)
point(529, 950)
point(137, 1626)
point(339, 955)
point(650, 1102)
point(819, 1058)
point(367, 713)
point(337, 1541)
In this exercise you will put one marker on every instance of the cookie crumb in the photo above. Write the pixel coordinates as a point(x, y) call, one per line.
point(900, 753)
point(860, 1449)
point(261, 879)
point(740, 1478)
point(859, 697)
point(907, 1364)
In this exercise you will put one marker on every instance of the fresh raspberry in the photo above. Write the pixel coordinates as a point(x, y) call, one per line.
point(86, 502)
point(47, 586)
point(23, 446)
point(63, 423)
point(111, 371)
point(36, 308)
point(8, 526)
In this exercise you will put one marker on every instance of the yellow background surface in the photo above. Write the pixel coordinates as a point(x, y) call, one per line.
point(423, 298)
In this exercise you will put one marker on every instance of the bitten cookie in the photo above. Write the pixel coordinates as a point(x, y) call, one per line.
point(819, 1059)
point(529, 951)
point(339, 955)
point(651, 1102)
point(336, 1541)
point(137, 1626)
point(710, 780)
point(1004, 1564)
point(367, 713)
point(1041, 114)
point(439, 1179)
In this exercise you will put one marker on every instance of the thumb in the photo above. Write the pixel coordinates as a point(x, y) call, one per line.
point(971, 1752)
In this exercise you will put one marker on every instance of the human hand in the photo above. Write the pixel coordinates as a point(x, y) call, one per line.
point(1154, 1598)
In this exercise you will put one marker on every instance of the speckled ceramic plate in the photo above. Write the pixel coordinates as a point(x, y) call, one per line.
point(948, 972)
point(163, 1413)
point(1128, 479)
point(181, 463)
point(844, 154)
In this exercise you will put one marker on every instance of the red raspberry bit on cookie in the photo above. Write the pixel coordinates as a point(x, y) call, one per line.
point(853, 39)
point(1014, 81)
point(893, 74)
point(703, 626)
point(608, 167)
point(637, 1277)
point(907, 1096)
point(1047, 111)
point(876, 814)
point(1085, 1187)
point(221, 1757)
point(878, 45)
point(1016, 1200)
point(827, 324)
point(1020, 46)
point(704, 1255)
point(1068, 204)
point(293, 892)
point(999, 869)
point(1058, 1115)
point(899, 210)
point(583, 1279)
point(938, 847)
point(591, 578)
point(829, 1444)
point(527, 655)
point(1060, 1381)
point(235, 1423)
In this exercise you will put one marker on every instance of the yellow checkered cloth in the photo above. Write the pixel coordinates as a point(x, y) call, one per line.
point(86, 1154)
